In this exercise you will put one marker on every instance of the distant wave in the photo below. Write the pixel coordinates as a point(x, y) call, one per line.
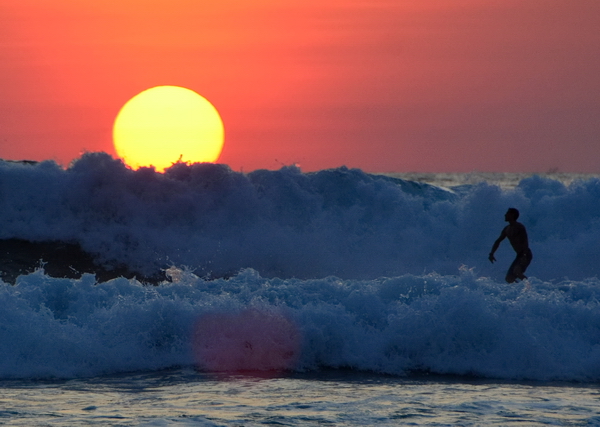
point(286, 223)
point(284, 270)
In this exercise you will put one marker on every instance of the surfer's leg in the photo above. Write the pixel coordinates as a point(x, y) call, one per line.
point(513, 272)
point(521, 264)
point(525, 260)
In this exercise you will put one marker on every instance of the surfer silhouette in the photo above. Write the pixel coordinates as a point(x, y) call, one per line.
point(517, 236)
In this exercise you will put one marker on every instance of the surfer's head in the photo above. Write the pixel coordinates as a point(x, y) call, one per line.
point(512, 214)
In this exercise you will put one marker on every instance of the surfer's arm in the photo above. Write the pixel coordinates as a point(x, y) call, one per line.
point(496, 244)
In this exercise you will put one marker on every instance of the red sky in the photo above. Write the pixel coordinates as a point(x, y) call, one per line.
point(383, 85)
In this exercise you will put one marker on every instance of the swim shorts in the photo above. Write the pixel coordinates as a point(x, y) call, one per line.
point(519, 265)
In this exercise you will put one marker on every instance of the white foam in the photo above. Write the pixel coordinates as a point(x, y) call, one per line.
point(290, 224)
point(313, 248)
point(458, 324)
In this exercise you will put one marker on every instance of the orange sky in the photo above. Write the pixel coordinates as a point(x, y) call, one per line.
point(383, 85)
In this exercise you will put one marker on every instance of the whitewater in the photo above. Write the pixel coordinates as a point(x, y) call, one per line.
point(328, 285)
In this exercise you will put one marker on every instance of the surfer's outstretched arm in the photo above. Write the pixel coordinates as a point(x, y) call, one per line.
point(495, 246)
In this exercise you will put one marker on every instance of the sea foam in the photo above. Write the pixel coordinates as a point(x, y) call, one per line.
point(354, 270)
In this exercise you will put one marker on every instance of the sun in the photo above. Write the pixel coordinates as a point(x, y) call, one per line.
point(164, 124)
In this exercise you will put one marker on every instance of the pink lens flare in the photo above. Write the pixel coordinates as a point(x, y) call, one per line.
point(250, 340)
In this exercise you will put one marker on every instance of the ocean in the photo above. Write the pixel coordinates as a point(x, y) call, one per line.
point(334, 297)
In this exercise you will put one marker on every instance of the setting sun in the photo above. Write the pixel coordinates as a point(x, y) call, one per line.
point(164, 124)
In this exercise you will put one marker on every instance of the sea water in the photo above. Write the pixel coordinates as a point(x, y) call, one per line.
point(188, 397)
point(333, 297)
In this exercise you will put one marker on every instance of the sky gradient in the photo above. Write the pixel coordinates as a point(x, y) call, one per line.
point(382, 85)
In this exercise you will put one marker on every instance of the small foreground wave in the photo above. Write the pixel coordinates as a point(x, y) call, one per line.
point(446, 324)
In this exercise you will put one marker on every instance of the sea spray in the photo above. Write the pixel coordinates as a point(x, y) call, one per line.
point(455, 324)
point(329, 269)
point(287, 223)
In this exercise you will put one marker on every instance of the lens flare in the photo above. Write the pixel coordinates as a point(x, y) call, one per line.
point(249, 341)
